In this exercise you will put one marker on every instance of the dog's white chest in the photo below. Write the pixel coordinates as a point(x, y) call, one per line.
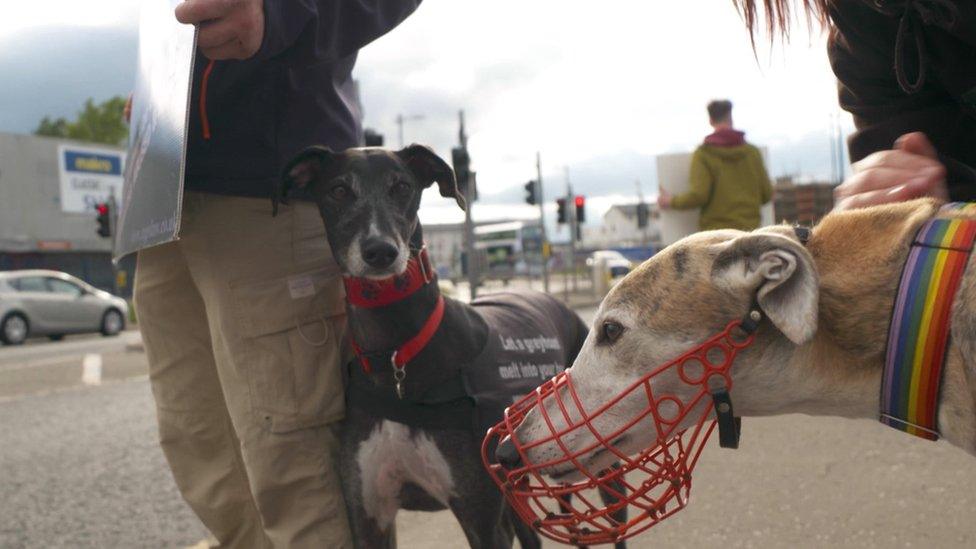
point(388, 458)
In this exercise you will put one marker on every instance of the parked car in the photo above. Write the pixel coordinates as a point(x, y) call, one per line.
point(608, 255)
point(50, 303)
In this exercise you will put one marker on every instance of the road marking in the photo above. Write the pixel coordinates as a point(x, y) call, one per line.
point(39, 351)
point(91, 369)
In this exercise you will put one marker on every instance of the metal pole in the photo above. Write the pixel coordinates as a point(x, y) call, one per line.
point(469, 248)
point(640, 202)
point(542, 223)
point(571, 214)
point(113, 225)
point(399, 121)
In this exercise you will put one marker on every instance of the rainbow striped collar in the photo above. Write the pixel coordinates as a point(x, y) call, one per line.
point(919, 334)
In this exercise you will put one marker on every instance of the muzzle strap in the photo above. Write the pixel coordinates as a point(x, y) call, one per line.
point(729, 426)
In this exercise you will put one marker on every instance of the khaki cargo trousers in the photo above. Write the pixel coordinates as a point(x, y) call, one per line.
point(243, 321)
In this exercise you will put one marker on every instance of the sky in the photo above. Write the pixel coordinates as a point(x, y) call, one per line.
point(598, 89)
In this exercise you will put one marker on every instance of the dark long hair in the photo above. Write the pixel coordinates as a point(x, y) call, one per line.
point(778, 14)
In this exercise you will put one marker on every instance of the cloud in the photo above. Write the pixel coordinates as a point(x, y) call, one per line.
point(51, 70)
point(28, 16)
point(600, 88)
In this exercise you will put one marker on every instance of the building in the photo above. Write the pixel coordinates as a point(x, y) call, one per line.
point(802, 203)
point(619, 228)
point(48, 191)
point(445, 244)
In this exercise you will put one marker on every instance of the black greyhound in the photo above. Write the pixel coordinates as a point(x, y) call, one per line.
point(432, 373)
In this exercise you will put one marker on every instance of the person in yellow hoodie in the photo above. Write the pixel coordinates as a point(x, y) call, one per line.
point(728, 180)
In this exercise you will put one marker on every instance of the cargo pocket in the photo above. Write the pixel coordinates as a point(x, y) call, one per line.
point(294, 332)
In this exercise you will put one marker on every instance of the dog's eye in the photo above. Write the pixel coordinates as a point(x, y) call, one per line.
point(340, 192)
point(400, 188)
point(612, 331)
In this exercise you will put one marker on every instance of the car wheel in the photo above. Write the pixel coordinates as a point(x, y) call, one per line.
point(56, 337)
point(14, 329)
point(112, 323)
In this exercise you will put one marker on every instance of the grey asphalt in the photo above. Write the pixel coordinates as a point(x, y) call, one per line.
point(80, 467)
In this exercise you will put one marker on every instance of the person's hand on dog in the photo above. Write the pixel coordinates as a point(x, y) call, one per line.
point(229, 29)
point(910, 170)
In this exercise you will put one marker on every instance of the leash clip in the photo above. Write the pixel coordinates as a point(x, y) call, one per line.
point(399, 374)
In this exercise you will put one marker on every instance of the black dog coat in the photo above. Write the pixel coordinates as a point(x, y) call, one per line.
point(530, 338)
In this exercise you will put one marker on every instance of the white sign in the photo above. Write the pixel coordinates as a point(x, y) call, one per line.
point(149, 212)
point(674, 173)
point(88, 176)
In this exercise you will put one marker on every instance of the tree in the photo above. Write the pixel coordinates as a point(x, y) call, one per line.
point(102, 123)
point(52, 128)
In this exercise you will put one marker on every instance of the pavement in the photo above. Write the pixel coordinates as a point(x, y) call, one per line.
point(80, 466)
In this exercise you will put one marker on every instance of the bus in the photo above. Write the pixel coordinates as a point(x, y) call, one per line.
point(511, 248)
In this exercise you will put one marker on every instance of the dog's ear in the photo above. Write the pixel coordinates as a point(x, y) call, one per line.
point(301, 171)
point(780, 273)
point(430, 168)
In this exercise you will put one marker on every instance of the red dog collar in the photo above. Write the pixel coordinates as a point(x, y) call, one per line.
point(412, 347)
point(367, 293)
point(364, 292)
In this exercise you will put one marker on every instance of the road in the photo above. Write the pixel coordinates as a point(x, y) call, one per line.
point(80, 467)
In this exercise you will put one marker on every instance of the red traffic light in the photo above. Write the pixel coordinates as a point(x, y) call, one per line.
point(580, 201)
point(101, 208)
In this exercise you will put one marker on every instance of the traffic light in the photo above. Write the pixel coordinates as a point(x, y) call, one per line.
point(580, 209)
point(462, 165)
point(104, 224)
point(372, 138)
point(531, 193)
point(642, 215)
point(561, 210)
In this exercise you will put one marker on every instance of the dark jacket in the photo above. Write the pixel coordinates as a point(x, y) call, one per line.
point(906, 66)
point(247, 118)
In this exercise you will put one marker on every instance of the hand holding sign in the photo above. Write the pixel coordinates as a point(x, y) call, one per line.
point(663, 198)
point(229, 29)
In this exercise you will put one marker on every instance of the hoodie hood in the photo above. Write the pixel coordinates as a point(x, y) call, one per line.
point(726, 137)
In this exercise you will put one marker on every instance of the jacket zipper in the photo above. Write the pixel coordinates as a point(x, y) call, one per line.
point(204, 120)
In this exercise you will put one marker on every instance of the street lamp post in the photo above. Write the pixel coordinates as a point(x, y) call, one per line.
point(400, 119)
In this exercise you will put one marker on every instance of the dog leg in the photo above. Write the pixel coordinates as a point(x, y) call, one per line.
point(526, 536)
point(608, 498)
point(481, 516)
point(367, 532)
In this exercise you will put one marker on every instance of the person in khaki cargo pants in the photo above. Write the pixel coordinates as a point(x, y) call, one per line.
point(243, 316)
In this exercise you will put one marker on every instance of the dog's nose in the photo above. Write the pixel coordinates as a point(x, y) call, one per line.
point(507, 455)
point(379, 254)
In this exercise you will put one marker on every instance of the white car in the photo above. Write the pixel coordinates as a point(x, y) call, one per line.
point(613, 258)
point(51, 303)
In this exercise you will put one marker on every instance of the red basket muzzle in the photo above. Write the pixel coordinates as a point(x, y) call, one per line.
point(601, 475)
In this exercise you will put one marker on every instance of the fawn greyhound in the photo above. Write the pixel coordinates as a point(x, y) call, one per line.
point(432, 373)
point(827, 306)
